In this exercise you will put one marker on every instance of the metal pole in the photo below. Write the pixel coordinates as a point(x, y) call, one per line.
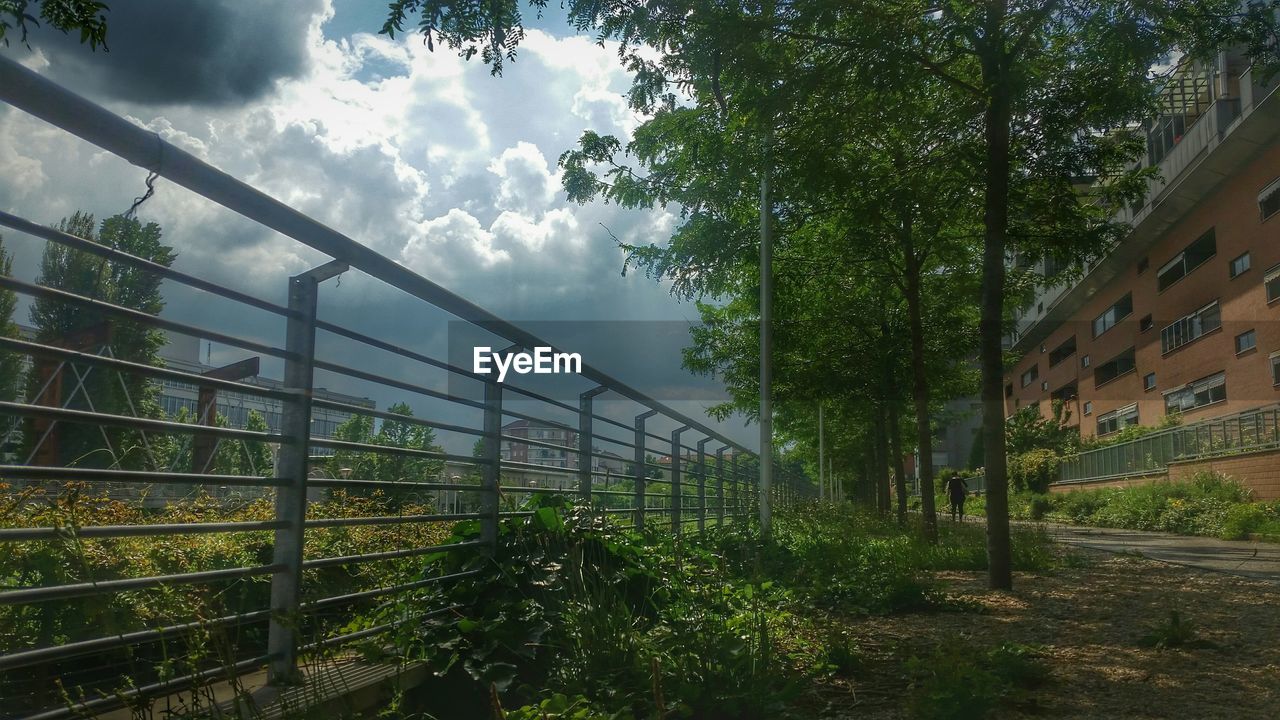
point(702, 483)
point(491, 471)
point(720, 486)
point(766, 339)
point(822, 453)
point(585, 437)
point(677, 490)
point(291, 499)
point(40, 97)
point(641, 469)
point(736, 486)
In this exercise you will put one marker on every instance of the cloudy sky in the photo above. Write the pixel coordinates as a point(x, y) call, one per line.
point(419, 155)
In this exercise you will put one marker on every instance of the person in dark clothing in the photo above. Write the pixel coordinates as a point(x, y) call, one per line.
point(957, 489)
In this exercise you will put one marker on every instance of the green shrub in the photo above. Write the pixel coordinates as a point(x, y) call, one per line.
point(1033, 470)
point(1039, 506)
point(961, 681)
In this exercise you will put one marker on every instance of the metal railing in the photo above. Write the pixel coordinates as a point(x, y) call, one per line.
point(287, 596)
point(1247, 431)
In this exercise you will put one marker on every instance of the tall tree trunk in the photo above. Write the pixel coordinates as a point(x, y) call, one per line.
point(895, 449)
point(996, 220)
point(920, 388)
point(895, 434)
point(882, 459)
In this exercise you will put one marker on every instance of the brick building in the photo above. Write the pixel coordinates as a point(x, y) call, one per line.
point(1181, 317)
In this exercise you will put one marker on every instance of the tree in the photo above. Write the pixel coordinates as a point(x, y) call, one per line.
point(87, 16)
point(94, 330)
point(10, 362)
point(1057, 88)
point(386, 466)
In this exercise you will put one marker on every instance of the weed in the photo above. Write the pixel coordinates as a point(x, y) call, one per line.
point(1175, 632)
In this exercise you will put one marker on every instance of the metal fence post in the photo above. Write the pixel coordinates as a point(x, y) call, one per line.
point(585, 436)
point(720, 485)
point(702, 483)
point(735, 486)
point(677, 491)
point(291, 467)
point(491, 472)
point(641, 469)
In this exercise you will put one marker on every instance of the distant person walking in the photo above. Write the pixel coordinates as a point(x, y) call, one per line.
point(957, 489)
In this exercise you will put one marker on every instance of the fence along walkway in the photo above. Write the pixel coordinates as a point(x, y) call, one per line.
point(1246, 431)
point(714, 483)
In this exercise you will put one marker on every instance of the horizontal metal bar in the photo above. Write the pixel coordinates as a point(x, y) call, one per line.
point(390, 484)
point(534, 467)
point(392, 382)
point(63, 474)
point(322, 603)
point(388, 555)
point(77, 709)
point(393, 348)
point(85, 647)
point(392, 449)
point(42, 98)
point(31, 348)
point(373, 631)
point(115, 255)
point(142, 318)
point(615, 423)
point(97, 418)
point(516, 439)
point(396, 417)
point(63, 592)
point(386, 520)
point(115, 531)
point(507, 412)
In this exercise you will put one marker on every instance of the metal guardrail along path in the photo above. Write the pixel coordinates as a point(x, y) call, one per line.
point(279, 605)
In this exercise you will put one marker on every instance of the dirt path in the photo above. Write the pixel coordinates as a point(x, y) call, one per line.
point(1090, 621)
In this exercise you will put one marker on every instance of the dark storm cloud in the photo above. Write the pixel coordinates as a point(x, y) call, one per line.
point(198, 52)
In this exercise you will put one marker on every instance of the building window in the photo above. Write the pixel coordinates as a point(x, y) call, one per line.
point(1114, 368)
point(1246, 341)
point(1192, 327)
point(1148, 381)
point(1084, 361)
point(1008, 390)
point(1145, 323)
point(1239, 265)
point(1044, 384)
point(1064, 393)
point(1063, 351)
point(1272, 282)
point(1088, 407)
point(1116, 419)
point(1205, 391)
point(1275, 368)
point(1113, 315)
point(1142, 265)
point(1269, 199)
point(1030, 376)
point(1196, 254)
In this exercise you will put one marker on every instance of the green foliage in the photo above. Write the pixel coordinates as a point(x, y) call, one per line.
point(383, 466)
point(86, 16)
point(1033, 470)
point(1208, 504)
point(10, 362)
point(1131, 432)
point(1176, 632)
point(72, 325)
point(1027, 430)
point(963, 681)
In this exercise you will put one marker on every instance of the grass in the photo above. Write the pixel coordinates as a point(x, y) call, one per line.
point(1209, 504)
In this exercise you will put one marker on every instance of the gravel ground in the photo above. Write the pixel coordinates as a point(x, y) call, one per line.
point(1091, 621)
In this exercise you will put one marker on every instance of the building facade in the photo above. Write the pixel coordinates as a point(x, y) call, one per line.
point(1181, 317)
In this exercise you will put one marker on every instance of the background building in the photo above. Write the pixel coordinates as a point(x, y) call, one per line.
point(1181, 316)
